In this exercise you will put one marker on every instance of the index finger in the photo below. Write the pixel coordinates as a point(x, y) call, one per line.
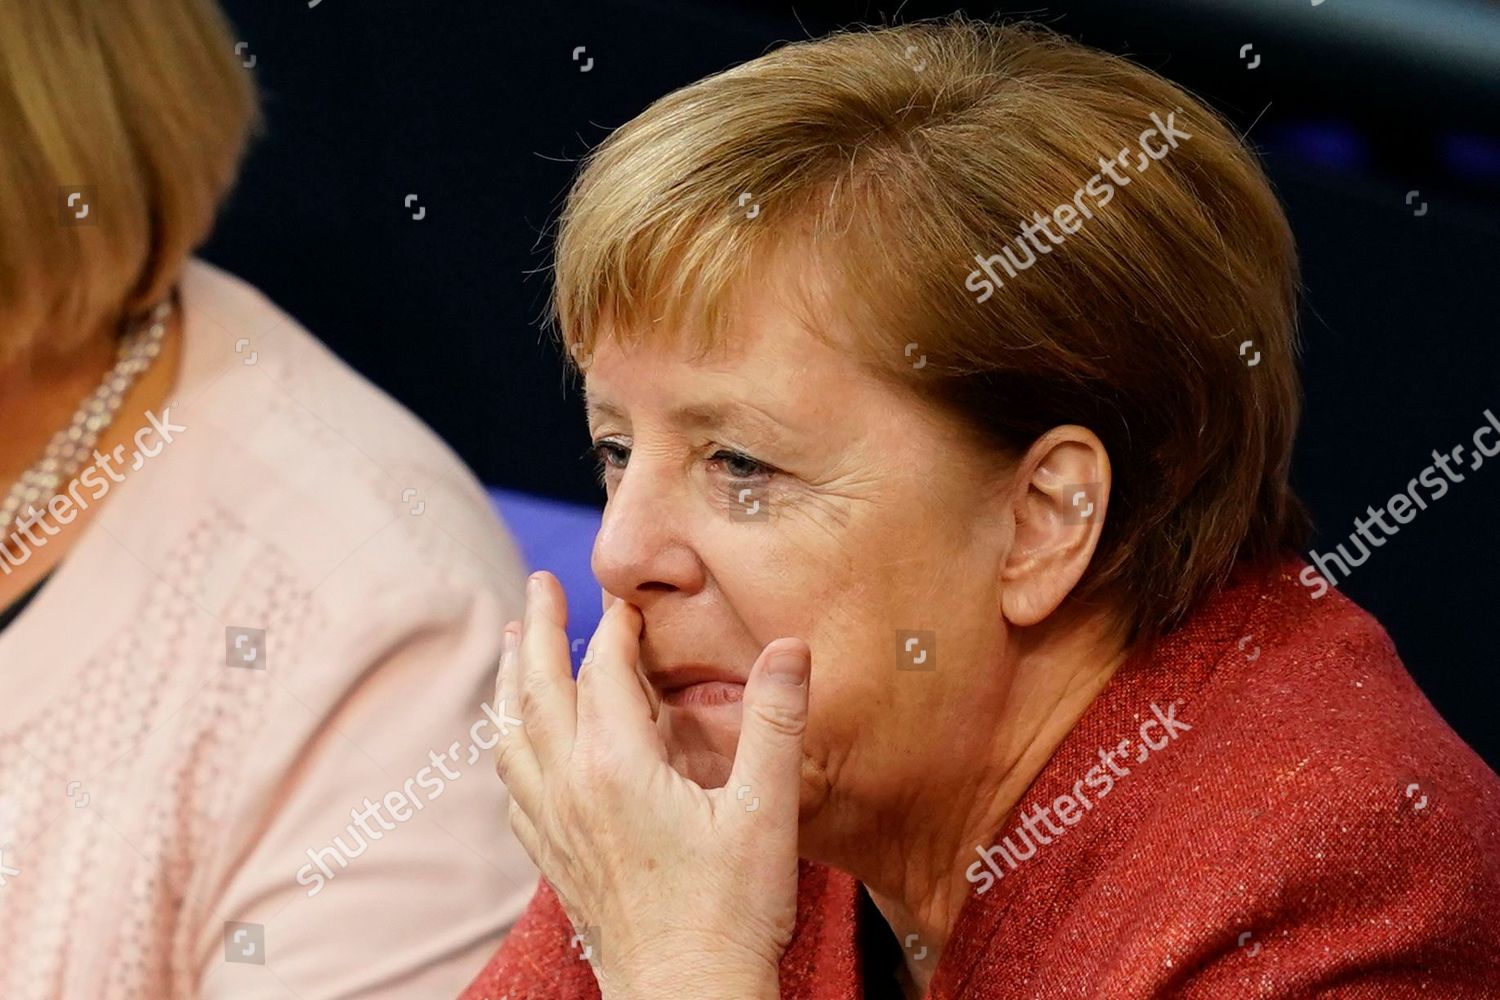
point(613, 703)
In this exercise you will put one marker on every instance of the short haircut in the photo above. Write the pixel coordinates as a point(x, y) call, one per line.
point(889, 166)
point(137, 111)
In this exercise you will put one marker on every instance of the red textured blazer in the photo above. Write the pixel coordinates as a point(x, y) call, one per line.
point(1318, 831)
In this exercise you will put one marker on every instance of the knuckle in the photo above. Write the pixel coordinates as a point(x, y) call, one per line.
point(587, 677)
point(505, 758)
point(533, 686)
point(782, 719)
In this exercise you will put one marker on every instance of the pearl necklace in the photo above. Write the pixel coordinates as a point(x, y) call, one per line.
point(73, 444)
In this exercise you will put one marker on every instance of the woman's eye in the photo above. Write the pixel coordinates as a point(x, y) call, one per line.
point(740, 466)
point(607, 455)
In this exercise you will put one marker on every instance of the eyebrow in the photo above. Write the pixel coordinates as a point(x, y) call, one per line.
point(697, 415)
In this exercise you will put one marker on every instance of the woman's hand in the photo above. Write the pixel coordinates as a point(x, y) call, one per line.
point(680, 890)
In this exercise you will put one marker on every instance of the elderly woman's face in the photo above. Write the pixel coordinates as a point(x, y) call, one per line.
point(782, 491)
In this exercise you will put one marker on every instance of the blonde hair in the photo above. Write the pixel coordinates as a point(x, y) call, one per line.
point(884, 163)
point(141, 108)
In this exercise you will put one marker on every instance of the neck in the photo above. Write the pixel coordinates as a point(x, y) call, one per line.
point(37, 398)
point(916, 873)
point(36, 401)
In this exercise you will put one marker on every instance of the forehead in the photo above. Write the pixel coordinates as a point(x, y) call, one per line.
point(767, 362)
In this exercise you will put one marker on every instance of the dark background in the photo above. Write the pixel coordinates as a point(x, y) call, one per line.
point(480, 109)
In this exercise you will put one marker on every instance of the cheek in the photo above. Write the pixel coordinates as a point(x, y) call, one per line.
point(889, 659)
point(771, 590)
point(854, 593)
point(853, 688)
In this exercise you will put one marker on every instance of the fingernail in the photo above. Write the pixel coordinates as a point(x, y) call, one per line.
point(512, 640)
point(533, 584)
point(788, 666)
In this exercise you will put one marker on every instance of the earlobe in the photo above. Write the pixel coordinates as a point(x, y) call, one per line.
point(1061, 492)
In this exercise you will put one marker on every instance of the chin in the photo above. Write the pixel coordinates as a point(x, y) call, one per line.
point(701, 745)
point(700, 765)
point(704, 754)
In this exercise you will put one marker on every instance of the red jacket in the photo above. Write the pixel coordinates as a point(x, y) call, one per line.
point(1317, 831)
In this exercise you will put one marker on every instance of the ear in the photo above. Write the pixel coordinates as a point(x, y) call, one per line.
point(1061, 492)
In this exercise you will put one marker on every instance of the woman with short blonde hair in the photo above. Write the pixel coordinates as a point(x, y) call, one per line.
point(943, 382)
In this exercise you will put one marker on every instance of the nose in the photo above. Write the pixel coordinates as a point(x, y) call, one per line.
point(644, 549)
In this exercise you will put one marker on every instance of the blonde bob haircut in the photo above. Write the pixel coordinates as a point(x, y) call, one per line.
point(882, 165)
point(122, 126)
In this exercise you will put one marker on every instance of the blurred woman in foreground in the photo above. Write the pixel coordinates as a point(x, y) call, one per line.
point(240, 682)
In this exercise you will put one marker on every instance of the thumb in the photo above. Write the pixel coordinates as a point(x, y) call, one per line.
point(769, 757)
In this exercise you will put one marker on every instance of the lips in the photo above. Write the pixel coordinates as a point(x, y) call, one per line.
point(697, 685)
